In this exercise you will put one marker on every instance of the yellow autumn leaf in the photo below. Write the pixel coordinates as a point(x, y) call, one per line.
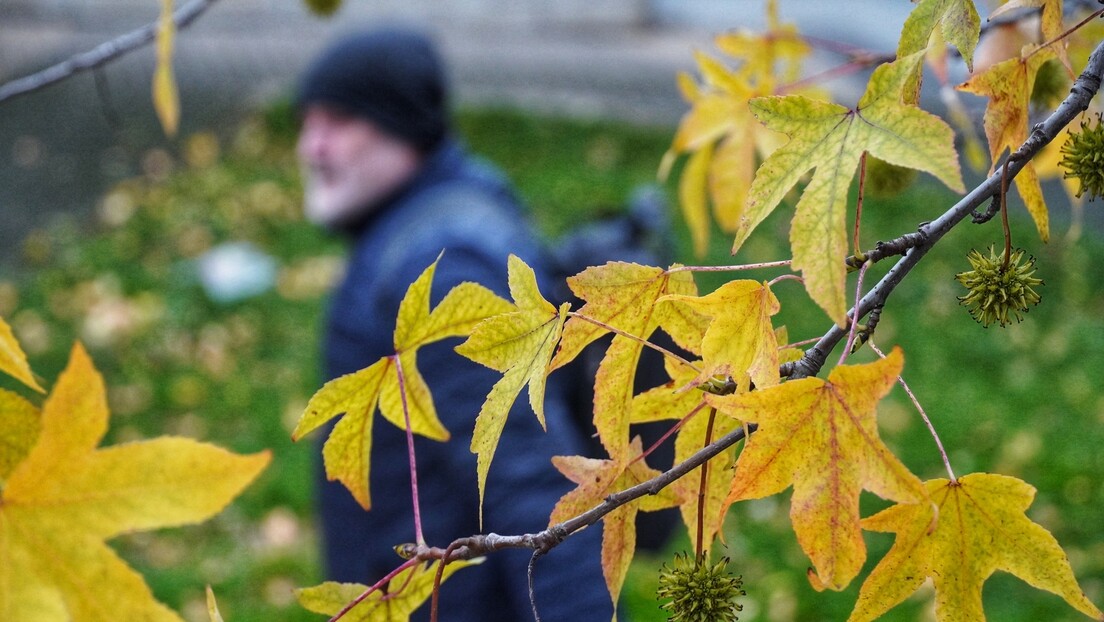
point(166, 100)
point(822, 438)
point(719, 130)
point(1050, 25)
point(19, 428)
point(1008, 86)
point(66, 497)
point(830, 139)
point(411, 588)
point(740, 339)
point(625, 296)
point(596, 480)
point(520, 344)
point(384, 384)
point(12, 359)
point(976, 526)
point(213, 613)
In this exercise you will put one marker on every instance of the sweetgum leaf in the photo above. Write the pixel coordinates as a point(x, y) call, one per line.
point(12, 359)
point(1008, 85)
point(520, 344)
point(821, 437)
point(409, 590)
point(346, 454)
point(67, 497)
point(830, 139)
point(166, 100)
point(973, 527)
point(596, 480)
point(958, 23)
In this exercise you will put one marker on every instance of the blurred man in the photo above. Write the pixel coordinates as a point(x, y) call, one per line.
point(380, 166)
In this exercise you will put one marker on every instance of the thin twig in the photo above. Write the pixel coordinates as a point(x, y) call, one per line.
point(101, 54)
point(618, 331)
point(1004, 217)
point(859, 202)
point(747, 266)
point(702, 486)
point(1065, 34)
point(923, 415)
point(532, 592)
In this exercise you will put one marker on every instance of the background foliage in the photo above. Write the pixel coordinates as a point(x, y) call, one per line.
point(239, 374)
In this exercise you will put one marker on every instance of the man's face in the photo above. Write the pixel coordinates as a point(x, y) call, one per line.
point(348, 164)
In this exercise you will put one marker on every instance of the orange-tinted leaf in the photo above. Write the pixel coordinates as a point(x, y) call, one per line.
point(830, 139)
point(1008, 85)
point(519, 344)
point(974, 527)
point(12, 359)
point(822, 437)
point(598, 479)
point(624, 296)
point(66, 497)
point(740, 339)
point(380, 606)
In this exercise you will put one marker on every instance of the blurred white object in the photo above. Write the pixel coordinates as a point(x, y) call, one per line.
point(235, 271)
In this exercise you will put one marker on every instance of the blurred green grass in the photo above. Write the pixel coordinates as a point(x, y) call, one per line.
point(1023, 401)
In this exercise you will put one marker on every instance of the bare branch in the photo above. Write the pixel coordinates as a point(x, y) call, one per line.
point(101, 54)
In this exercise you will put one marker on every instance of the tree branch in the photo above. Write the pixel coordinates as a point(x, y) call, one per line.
point(1084, 88)
point(101, 54)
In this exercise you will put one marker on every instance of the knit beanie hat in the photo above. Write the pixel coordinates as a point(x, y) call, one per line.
point(392, 77)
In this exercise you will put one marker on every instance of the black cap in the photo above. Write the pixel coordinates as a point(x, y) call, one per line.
point(392, 77)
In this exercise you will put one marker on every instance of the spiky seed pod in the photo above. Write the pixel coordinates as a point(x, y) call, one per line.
point(323, 8)
point(699, 591)
point(998, 294)
point(1083, 158)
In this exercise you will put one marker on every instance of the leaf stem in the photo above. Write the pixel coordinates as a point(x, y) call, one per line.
point(1004, 216)
point(923, 415)
point(375, 587)
point(645, 342)
point(854, 320)
point(859, 203)
point(419, 537)
point(702, 486)
point(1065, 34)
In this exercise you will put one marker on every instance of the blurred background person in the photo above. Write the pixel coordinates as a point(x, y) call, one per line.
point(382, 168)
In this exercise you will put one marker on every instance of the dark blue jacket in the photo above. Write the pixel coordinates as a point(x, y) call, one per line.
point(465, 208)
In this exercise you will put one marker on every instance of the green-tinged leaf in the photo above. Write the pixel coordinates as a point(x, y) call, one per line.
point(958, 23)
point(19, 427)
point(406, 592)
point(973, 527)
point(12, 359)
point(67, 496)
point(166, 100)
point(520, 344)
point(830, 139)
